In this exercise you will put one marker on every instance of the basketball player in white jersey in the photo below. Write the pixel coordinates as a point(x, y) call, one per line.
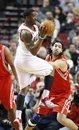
point(26, 63)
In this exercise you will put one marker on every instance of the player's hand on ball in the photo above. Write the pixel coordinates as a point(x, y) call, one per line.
point(43, 31)
point(48, 26)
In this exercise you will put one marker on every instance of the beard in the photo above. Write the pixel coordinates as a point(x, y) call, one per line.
point(57, 54)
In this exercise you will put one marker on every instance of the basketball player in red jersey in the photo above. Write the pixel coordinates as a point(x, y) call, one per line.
point(60, 93)
point(6, 86)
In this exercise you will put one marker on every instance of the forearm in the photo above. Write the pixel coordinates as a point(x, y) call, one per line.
point(34, 49)
point(14, 73)
point(54, 64)
point(38, 43)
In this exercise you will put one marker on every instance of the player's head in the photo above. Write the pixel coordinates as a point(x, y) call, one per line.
point(30, 14)
point(57, 48)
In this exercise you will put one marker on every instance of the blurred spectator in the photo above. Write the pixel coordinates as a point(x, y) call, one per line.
point(76, 2)
point(77, 78)
point(69, 23)
point(39, 89)
point(29, 103)
point(58, 14)
point(76, 14)
point(29, 99)
point(74, 32)
point(54, 2)
point(74, 55)
point(67, 26)
point(46, 6)
point(50, 16)
point(77, 66)
point(68, 5)
point(75, 41)
point(40, 16)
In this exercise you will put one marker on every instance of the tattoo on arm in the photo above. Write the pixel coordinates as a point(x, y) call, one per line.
point(26, 37)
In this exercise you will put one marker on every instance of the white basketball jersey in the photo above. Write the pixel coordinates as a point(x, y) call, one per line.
point(34, 35)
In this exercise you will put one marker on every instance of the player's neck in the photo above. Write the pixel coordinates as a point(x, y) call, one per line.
point(29, 23)
point(56, 57)
point(53, 56)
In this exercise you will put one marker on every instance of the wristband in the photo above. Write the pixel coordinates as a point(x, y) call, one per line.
point(42, 37)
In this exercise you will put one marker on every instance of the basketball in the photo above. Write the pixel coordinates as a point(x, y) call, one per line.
point(49, 25)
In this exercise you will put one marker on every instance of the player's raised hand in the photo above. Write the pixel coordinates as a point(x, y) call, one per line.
point(43, 31)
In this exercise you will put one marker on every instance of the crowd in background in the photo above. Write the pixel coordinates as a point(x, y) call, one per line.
point(65, 14)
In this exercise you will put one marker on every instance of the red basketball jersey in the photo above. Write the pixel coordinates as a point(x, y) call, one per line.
point(3, 64)
point(60, 91)
point(6, 87)
point(61, 82)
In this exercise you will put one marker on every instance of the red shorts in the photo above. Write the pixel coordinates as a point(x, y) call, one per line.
point(63, 102)
point(7, 93)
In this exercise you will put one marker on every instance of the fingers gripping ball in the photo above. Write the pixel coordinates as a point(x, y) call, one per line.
point(49, 25)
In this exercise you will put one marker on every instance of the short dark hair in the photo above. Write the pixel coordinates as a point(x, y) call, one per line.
point(57, 40)
point(28, 12)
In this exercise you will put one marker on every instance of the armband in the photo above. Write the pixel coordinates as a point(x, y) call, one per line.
point(42, 38)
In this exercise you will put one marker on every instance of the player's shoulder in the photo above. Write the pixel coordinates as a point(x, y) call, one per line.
point(22, 24)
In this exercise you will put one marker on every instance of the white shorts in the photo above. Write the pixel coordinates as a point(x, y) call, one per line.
point(28, 67)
